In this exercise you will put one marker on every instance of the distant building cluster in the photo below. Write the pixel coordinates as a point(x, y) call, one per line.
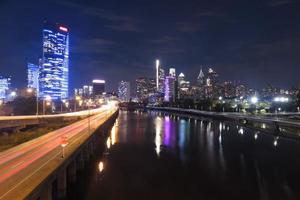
point(170, 87)
point(97, 89)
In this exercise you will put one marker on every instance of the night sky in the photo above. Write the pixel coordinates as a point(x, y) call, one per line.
point(256, 41)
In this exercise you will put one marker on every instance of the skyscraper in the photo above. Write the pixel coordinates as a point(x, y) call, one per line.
point(183, 85)
point(211, 84)
point(32, 75)
point(142, 90)
point(98, 87)
point(170, 90)
point(54, 71)
point(201, 78)
point(172, 72)
point(4, 87)
point(124, 91)
point(160, 77)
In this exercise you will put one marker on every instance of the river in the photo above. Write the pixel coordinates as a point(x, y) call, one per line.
point(150, 155)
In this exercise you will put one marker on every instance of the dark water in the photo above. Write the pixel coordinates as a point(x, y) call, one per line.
point(155, 156)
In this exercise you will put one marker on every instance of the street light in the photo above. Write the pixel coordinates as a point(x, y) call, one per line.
point(29, 90)
point(254, 99)
point(13, 94)
point(61, 105)
point(48, 99)
point(77, 98)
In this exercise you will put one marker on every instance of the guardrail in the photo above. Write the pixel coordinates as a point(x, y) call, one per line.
point(22, 121)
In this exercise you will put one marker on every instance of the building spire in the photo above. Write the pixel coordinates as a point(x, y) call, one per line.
point(201, 74)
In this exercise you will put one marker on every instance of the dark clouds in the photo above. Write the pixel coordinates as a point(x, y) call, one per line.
point(253, 41)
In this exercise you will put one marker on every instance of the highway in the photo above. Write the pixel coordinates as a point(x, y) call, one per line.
point(71, 114)
point(25, 166)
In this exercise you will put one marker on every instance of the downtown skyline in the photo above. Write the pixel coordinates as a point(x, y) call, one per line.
point(109, 40)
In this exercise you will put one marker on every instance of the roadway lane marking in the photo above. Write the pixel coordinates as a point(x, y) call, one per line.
point(16, 165)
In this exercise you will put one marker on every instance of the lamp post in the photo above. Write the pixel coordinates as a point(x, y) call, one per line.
point(89, 104)
point(61, 105)
point(37, 101)
point(77, 98)
point(30, 91)
point(48, 99)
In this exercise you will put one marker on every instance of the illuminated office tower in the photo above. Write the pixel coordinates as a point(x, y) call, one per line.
point(124, 91)
point(32, 75)
point(170, 89)
point(201, 78)
point(172, 72)
point(142, 88)
point(87, 91)
point(98, 87)
point(54, 70)
point(160, 77)
point(4, 87)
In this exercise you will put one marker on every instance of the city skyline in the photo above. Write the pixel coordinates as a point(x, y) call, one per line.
point(219, 36)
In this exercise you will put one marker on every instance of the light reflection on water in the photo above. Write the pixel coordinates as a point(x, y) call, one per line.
point(167, 132)
point(158, 135)
point(203, 153)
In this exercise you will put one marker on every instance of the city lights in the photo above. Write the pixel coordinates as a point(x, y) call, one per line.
point(281, 99)
point(100, 166)
point(254, 100)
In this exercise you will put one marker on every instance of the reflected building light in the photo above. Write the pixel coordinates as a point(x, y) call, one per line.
point(220, 138)
point(228, 128)
point(101, 166)
point(167, 118)
point(275, 143)
point(158, 142)
point(220, 127)
point(167, 128)
point(114, 133)
point(263, 125)
point(108, 143)
point(241, 131)
point(224, 127)
point(182, 134)
point(255, 136)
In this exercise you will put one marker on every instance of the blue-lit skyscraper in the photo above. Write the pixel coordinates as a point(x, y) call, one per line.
point(32, 75)
point(4, 87)
point(124, 91)
point(54, 70)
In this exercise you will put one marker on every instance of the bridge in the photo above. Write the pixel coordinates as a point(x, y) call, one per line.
point(35, 169)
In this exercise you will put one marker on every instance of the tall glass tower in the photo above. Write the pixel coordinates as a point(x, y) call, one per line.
point(32, 75)
point(54, 69)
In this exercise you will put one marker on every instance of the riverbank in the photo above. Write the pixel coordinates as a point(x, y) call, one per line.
point(275, 125)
